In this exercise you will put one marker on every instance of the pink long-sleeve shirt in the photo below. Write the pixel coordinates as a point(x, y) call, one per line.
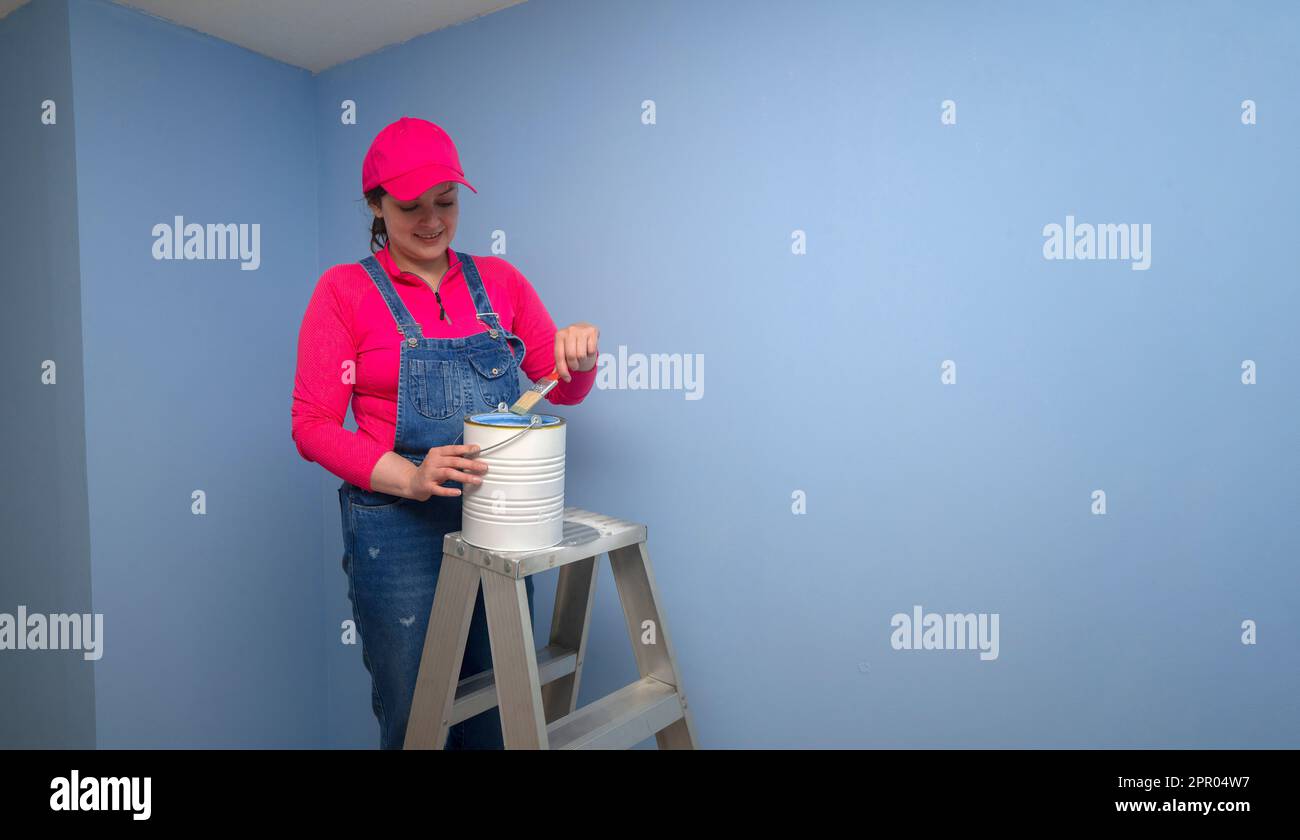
point(348, 350)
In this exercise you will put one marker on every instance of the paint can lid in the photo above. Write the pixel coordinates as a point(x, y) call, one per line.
point(509, 420)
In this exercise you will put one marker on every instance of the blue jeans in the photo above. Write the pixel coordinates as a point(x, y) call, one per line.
point(392, 556)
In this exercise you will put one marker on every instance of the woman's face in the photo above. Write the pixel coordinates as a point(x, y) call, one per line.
point(435, 212)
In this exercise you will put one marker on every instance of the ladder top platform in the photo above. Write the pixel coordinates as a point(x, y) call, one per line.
point(586, 534)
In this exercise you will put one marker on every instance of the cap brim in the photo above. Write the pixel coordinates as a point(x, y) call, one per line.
point(417, 182)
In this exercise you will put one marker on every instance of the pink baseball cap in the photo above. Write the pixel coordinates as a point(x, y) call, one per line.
point(408, 157)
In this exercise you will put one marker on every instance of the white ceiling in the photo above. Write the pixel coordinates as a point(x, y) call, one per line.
point(312, 34)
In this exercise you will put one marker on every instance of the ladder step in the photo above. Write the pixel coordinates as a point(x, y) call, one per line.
point(478, 693)
point(620, 720)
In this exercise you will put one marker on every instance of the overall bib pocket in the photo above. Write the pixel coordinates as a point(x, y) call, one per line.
point(434, 388)
point(496, 379)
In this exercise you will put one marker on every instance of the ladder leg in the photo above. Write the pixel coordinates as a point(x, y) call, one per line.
point(634, 578)
point(514, 662)
point(574, 594)
point(444, 650)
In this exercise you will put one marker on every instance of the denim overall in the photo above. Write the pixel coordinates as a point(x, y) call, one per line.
point(393, 545)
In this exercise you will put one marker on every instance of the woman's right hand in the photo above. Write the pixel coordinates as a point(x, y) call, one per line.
point(446, 463)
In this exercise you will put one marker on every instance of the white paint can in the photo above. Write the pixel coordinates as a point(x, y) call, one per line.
point(520, 504)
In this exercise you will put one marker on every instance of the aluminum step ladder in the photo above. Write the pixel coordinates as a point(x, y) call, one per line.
point(537, 689)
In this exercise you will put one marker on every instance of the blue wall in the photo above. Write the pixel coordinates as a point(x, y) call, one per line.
point(823, 375)
point(47, 697)
point(924, 244)
point(213, 623)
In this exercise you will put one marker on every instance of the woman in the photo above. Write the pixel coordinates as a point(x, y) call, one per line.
point(417, 336)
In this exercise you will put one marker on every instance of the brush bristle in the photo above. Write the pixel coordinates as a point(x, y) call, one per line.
point(525, 403)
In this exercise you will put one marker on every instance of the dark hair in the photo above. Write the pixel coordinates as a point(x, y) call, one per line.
point(378, 233)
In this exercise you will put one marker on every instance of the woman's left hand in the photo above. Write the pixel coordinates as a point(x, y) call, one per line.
point(575, 348)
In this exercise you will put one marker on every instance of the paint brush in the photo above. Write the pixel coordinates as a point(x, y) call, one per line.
point(541, 388)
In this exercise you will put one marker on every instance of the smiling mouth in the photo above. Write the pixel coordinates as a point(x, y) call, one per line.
point(427, 238)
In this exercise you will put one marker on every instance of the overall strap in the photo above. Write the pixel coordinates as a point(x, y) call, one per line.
point(483, 306)
point(406, 325)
